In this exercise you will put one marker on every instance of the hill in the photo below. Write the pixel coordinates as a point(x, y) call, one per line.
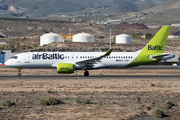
point(44, 8)
point(123, 6)
point(166, 13)
point(145, 6)
point(169, 4)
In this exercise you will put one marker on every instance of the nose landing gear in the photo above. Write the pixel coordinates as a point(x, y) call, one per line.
point(19, 74)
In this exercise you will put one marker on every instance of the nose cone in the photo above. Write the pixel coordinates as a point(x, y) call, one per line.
point(7, 63)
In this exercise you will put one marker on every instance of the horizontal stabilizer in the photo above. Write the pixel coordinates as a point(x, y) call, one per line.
point(164, 56)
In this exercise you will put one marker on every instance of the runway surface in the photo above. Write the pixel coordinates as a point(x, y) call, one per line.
point(138, 67)
point(95, 77)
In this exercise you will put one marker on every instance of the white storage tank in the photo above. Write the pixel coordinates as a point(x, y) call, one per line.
point(50, 38)
point(123, 39)
point(83, 37)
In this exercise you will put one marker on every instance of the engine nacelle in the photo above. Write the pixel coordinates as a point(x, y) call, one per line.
point(65, 68)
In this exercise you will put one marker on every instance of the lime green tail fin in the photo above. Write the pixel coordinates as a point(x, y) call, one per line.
point(158, 42)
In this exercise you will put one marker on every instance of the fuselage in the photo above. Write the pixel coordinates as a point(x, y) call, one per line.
point(50, 59)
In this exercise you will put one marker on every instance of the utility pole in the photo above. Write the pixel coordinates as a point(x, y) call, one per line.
point(110, 37)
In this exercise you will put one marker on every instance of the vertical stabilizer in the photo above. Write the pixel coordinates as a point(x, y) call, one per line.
point(158, 42)
point(154, 47)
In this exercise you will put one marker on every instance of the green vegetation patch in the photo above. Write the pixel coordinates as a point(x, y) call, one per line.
point(86, 101)
point(8, 102)
point(168, 104)
point(50, 101)
point(158, 113)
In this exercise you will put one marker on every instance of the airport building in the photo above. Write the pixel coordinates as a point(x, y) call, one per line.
point(83, 37)
point(50, 38)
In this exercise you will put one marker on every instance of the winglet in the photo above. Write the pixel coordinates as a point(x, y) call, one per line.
point(108, 52)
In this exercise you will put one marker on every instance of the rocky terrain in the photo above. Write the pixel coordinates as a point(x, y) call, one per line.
point(118, 99)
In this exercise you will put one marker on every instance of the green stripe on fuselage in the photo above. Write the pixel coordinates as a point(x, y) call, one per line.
point(154, 47)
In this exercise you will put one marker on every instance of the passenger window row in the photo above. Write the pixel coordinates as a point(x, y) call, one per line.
point(122, 57)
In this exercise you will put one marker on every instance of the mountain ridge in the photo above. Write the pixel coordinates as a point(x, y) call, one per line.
point(43, 8)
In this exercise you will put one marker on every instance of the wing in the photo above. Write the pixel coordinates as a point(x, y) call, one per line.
point(90, 62)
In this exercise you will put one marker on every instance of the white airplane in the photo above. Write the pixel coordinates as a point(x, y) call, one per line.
point(68, 62)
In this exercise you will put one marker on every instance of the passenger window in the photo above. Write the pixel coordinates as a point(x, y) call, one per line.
point(116, 56)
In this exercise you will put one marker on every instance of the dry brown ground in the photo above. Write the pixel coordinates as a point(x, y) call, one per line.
point(30, 91)
point(100, 72)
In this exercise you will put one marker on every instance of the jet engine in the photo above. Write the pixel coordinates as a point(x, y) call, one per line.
point(65, 68)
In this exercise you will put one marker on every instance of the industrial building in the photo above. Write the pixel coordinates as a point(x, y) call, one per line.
point(83, 37)
point(2, 57)
point(50, 38)
point(123, 39)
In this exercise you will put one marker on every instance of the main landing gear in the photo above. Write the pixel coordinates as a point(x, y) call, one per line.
point(19, 74)
point(86, 73)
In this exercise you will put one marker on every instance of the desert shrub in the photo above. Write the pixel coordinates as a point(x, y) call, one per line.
point(157, 113)
point(178, 104)
point(54, 101)
point(76, 100)
point(168, 104)
point(43, 102)
point(15, 100)
point(66, 98)
point(6, 102)
point(49, 91)
point(50, 101)
point(101, 37)
point(24, 47)
point(147, 107)
point(86, 101)
point(138, 99)
point(100, 103)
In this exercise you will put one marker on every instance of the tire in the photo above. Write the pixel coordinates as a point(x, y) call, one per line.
point(86, 73)
point(19, 75)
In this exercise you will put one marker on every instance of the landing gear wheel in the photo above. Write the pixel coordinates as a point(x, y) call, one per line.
point(19, 75)
point(86, 73)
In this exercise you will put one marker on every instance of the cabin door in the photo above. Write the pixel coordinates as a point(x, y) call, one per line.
point(27, 58)
point(136, 56)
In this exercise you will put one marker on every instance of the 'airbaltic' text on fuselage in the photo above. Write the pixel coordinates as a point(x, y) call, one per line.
point(156, 47)
point(46, 56)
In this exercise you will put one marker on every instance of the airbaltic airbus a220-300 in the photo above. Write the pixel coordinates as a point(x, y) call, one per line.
point(68, 62)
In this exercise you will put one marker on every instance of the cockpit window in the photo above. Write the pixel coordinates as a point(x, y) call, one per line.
point(14, 57)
